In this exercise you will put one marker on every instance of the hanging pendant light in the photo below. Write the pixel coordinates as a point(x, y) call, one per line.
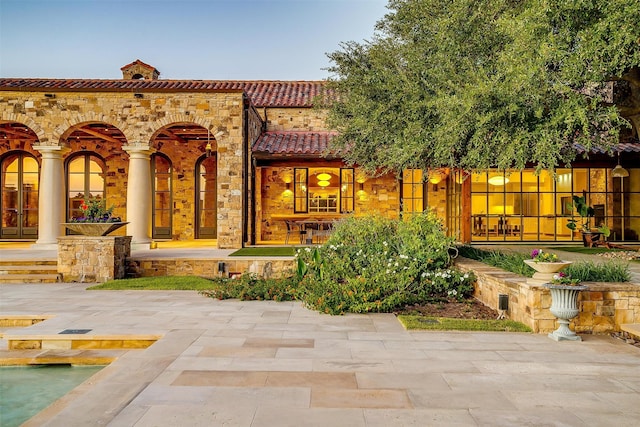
point(208, 148)
point(619, 171)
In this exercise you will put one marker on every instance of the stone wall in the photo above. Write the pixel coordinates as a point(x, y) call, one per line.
point(208, 268)
point(93, 259)
point(52, 119)
point(295, 119)
point(603, 308)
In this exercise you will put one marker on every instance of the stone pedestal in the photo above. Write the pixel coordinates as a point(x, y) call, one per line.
point(93, 259)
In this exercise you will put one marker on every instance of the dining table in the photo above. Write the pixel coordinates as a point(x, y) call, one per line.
point(314, 227)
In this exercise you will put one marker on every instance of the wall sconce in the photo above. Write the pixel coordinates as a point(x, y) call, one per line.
point(287, 185)
point(138, 95)
point(361, 186)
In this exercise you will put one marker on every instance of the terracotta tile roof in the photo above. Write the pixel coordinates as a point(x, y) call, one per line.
point(263, 93)
point(284, 144)
point(623, 147)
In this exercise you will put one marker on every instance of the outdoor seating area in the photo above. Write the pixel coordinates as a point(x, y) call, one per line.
point(305, 229)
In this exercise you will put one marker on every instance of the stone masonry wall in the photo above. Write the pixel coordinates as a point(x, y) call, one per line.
point(264, 267)
point(93, 259)
point(295, 119)
point(139, 119)
point(603, 307)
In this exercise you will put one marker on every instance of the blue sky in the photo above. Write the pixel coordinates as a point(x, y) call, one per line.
point(184, 39)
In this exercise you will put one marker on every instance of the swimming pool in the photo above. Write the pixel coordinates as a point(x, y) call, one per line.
point(27, 390)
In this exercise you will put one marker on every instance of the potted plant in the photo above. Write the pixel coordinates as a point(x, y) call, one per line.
point(96, 219)
point(564, 305)
point(546, 264)
point(590, 236)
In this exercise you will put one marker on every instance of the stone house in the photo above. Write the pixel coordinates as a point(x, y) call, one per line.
point(240, 161)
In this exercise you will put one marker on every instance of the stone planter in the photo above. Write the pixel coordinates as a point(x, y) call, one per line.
point(94, 228)
point(544, 270)
point(564, 305)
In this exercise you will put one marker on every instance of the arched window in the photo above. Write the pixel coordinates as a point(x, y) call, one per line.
point(85, 180)
point(162, 196)
point(19, 198)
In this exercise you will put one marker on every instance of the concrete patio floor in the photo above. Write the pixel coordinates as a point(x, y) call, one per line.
point(231, 363)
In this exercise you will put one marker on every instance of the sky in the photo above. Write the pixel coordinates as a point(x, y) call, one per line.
point(183, 39)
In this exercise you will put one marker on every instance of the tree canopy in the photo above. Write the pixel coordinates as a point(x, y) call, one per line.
point(475, 84)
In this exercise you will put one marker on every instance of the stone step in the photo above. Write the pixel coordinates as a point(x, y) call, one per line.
point(631, 328)
point(4, 263)
point(28, 269)
point(31, 278)
point(53, 357)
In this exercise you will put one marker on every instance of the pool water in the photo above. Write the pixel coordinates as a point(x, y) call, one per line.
point(25, 391)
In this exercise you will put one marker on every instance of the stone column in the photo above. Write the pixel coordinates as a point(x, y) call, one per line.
point(139, 196)
point(51, 196)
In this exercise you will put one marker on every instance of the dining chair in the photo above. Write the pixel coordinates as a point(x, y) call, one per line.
point(293, 228)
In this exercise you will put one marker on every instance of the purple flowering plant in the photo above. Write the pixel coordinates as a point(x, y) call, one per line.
point(539, 255)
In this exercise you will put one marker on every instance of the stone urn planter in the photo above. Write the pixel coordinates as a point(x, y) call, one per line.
point(564, 305)
point(544, 270)
point(94, 228)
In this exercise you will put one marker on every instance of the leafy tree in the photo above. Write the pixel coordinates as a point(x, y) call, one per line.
point(487, 83)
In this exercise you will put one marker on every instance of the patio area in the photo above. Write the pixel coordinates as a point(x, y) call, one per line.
point(264, 363)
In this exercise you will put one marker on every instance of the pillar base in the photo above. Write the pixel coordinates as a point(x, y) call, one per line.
point(44, 246)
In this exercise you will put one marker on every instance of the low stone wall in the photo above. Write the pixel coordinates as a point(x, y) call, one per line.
point(603, 308)
point(265, 267)
point(93, 259)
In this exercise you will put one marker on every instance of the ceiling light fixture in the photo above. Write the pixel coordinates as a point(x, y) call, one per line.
point(324, 183)
point(498, 180)
point(324, 177)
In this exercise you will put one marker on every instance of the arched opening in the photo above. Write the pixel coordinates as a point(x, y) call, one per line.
point(85, 173)
point(19, 173)
point(192, 176)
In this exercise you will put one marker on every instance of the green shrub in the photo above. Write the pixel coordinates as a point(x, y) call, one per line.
point(509, 261)
point(251, 287)
point(585, 271)
point(376, 264)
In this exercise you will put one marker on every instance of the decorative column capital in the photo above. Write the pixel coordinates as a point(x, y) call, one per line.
point(138, 151)
point(52, 151)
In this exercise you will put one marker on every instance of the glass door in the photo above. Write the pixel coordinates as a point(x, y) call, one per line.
point(19, 200)
point(206, 198)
